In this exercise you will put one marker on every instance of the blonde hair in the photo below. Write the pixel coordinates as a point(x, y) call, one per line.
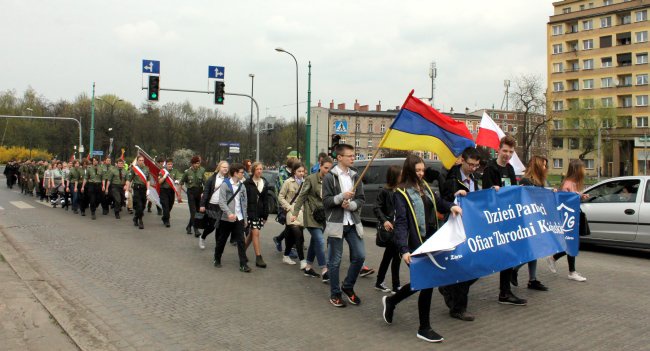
point(255, 165)
point(219, 166)
point(537, 170)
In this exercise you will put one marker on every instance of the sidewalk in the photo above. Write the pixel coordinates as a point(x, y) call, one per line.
point(24, 323)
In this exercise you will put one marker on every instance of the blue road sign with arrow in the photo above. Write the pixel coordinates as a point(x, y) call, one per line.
point(217, 72)
point(151, 66)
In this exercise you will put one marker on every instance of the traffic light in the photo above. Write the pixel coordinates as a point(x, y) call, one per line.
point(154, 88)
point(219, 91)
point(336, 139)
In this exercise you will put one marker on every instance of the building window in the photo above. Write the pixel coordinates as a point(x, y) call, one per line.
point(607, 2)
point(383, 128)
point(588, 44)
point(642, 122)
point(558, 67)
point(606, 62)
point(557, 48)
point(558, 143)
point(641, 37)
point(642, 100)
point(626, 19)
point(558, 30)
point(359, 156)
point(625, 122)
point(557, 124)
point(642, 58)
point(370, 128)
point(573, 27)
point(607, 102)
point(588, 84)
point(642, 79)
point(625, 101)
point(605, 22)
point(357, 127)
point(588, 103)
point(588, 25)
point(558, 163)
point(566, 10)
point(496, 116)
point(642, 16)
point(574, 85)
point(606, 82)
point(369, 143)
point(605, 41)
point(589, 164)
point(357, 142)
point(624, 59)
point(574, 143)
point(558, 105)
point(588, 64)
point(588, 143)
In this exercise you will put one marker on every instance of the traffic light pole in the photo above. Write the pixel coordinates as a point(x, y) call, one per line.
point(257, 108)
point(57, 118)
point(308, 125)
point(92, 123)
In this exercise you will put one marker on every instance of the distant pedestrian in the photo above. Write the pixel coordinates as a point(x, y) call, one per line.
point(294, 227)
point(193, 178)
point(210, 202)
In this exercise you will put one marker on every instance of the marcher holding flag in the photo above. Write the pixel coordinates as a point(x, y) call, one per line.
point(168, 179)
point(138, 176)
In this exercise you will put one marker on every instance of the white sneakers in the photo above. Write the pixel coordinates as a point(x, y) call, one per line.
point(577, 277)
point(201, 243)
point(551, 264)
point(303, 264)
point(287, 260)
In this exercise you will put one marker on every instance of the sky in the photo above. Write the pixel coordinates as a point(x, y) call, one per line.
point(365, 50)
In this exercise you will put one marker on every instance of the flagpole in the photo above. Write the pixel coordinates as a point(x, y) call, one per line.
point(381, 143)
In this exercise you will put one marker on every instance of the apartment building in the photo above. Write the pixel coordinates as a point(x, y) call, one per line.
point(597, 59)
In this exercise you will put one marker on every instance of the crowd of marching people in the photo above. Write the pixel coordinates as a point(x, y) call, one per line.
point(233, 203)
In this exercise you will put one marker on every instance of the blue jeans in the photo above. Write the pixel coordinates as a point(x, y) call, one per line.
point(75, 200)
point(532, 270)
point(316, 247)
point(357, 256)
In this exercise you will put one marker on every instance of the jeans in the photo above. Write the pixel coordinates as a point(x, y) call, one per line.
point(75, 199)
point(235, 230)
point(532, 270)
point(316, 247)
point(357, 256)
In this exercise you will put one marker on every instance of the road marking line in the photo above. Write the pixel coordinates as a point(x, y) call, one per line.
point(43, 203)
point(21, 204)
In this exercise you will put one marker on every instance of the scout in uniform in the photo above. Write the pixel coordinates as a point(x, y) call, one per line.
point(115, 179)
point(138, 177)
point(194, 178)
point(168, 178)
point(92, 186)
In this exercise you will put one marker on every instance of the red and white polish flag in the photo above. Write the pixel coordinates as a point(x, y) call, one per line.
point(489, 134)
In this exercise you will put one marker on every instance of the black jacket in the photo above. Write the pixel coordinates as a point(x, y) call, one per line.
point(406, 234)
point(494, 175)
point(454, 182)
point(384, 208)
point(208, 190)
point(258, 206)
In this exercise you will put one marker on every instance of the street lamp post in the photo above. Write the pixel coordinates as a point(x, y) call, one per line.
point(297, 101)
point(112, 105)
point(30, 132)
point(250, 131)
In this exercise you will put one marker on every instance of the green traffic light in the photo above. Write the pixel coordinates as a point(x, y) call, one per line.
point(154, 95)
point(220, 99)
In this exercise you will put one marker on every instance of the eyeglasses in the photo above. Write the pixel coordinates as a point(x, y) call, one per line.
point(350, 155)
point(473, 165)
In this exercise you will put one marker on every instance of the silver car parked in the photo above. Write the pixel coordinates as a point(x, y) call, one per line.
point(618, 212)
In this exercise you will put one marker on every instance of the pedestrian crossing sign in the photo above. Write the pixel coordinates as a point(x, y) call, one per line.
point(340, 127)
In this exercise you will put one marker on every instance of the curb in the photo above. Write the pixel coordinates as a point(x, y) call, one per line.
point(71, 319)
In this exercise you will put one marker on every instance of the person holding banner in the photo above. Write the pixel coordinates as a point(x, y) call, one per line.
point(138, 177)
point(167, 179)
point(194, 178)
point(535, 176)
point(574, 182)
point(460, 181)
point(499, 173)
point(415, 221)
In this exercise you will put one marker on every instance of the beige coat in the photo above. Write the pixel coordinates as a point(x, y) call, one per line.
point(287, 192)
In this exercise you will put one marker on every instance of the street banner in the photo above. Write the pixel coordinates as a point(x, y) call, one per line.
point(502, 229)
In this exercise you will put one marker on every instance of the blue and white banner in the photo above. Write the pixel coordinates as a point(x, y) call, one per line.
point(503, 229)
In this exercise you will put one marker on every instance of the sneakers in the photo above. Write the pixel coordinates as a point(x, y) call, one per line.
point(429, 336)
point(352, 297)
point(511, 299)
point(366, 271)
point(389, 308)
point(577, 277)
point(325, 278)
point(382, 287)
point(337, 300)
point(550, 261)
point(244, 268)
point(303, 264)
point(287, 260)
point(311, 273)
point(201, 243)
point(537, 285)
point(278, 244)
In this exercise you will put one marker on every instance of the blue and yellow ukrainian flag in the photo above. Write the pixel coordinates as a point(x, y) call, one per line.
point(419, 126)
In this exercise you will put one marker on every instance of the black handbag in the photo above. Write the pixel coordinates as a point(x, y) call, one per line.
point(319, 215)
point(384, 237)
point(200, 220)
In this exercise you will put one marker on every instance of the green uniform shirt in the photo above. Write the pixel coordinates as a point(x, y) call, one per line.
point(75, 175)
point(114, 177)
point(176, 176)
point(93, 175)
point(41, 171)
point(134, 178)
point(194, 178)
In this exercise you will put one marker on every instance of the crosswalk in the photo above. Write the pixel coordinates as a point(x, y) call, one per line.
point(21, 204)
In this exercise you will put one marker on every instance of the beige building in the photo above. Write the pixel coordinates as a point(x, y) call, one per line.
point(597, 54)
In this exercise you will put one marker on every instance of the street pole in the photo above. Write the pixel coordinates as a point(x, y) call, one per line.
point(645, 152)
point(599, 162)
point(30, 132)
point(55, 118)
point(308, 125)
point(250, 131)
point(92, 122)
point(297, 102)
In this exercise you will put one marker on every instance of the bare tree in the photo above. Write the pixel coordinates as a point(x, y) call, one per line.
point(530, 103)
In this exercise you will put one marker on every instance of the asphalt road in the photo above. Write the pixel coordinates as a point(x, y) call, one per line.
point(118, 287)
